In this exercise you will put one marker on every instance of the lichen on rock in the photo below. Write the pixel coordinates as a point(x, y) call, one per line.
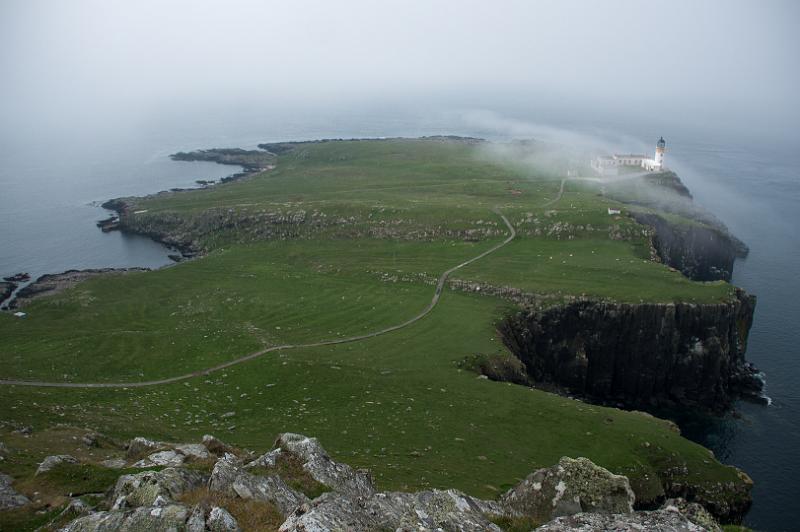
point(571, 486)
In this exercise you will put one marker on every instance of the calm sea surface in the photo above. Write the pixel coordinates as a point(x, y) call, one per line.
point(49, 196)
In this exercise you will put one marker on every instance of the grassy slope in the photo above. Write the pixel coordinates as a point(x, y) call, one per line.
point(397, 403)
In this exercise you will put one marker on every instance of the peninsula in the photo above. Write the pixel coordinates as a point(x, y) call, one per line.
point(411, 303)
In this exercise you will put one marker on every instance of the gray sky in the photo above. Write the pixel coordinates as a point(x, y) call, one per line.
point(727, 61)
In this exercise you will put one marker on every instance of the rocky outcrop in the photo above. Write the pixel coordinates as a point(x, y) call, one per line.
point(9, 498)
point(219, 520)
point(655, 521)
point(169, 517)
point(150, 453)
point(701, 252)
point(155, 488)
point(169, 457)
point(572, 486)
point(230, 479)
point(216, 446)
point(426, 510)
point(639, 355)
point(693, 512)
point(339, 477)
point(52, 462)
point(576, 493)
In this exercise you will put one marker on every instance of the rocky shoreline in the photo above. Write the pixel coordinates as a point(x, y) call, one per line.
point(53, 283)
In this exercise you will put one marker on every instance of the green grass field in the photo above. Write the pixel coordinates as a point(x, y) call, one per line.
point(397, 403)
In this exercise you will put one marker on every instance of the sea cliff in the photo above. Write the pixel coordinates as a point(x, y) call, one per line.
point(700, 252)
point(644, 355)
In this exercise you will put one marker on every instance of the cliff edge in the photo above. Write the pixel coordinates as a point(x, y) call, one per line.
point(639, 355)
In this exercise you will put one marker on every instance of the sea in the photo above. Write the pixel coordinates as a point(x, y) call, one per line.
point(51, 191)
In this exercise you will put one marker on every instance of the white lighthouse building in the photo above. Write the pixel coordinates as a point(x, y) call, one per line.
point(610, 164)
point(659, 160)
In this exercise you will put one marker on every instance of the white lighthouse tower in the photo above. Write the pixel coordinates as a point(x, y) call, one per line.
point(659, 159)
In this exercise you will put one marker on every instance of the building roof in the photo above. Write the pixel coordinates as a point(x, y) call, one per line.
point(629, 156)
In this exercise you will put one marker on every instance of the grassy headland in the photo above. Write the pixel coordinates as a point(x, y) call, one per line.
point(339, 239)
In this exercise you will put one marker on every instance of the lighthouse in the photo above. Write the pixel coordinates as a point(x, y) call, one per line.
point(659, 159)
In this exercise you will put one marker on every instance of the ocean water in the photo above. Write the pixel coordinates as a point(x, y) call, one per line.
point(50, 202)
point(756, 192)
point(50, 192)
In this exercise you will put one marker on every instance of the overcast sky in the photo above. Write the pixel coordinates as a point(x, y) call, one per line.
point(721, 61)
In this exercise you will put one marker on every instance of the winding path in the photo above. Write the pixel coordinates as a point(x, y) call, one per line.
point(199, 373)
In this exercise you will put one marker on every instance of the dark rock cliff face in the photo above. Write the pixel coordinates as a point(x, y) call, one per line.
point(701, 253)
point(6, 289)
point(640, 355)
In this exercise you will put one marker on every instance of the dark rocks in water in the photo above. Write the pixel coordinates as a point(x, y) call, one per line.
point(109, 224)
point(700, 252)
point(175, 257)
point(641, 356)
point(18, 278)
point(56, 282)
point(234, 177)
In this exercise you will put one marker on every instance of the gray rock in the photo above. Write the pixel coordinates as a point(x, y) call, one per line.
point(113, 463)
point(570, 487)
point(142, 519)
point(339, 477)
point(52, 461)
point(140, 446)
point(693, 512)
point(193, 450)
point(91, 439)
point(425, 510)
point(219, 520)
point(230, 479)
point(265, 460)
point(428, 510)
point(9, 497)
point(155, 488)
point(330, 511)
point(162, 458)
point(76, 508)
point(657, 521)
